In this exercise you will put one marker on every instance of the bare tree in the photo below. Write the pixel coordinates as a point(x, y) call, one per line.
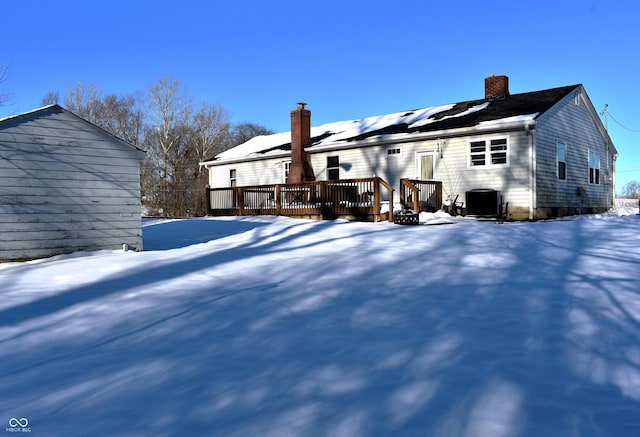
point(631, 190)
point(83, 100)
point(51, 98)
point(122, 116)
point(243, 132)
point(169, 113)
point(209, 135)
point(175, 138)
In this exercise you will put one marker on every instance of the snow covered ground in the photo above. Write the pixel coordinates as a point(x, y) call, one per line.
point(281, 327)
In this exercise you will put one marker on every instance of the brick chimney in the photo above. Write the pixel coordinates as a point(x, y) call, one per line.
point(300, 169)
point(496, 87)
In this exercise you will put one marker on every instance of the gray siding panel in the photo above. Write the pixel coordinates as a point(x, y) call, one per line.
point(572, 124)
point(45, 212)
point(65, 185)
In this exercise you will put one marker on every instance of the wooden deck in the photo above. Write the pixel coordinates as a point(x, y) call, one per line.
point(355, 199)
point(421, 195)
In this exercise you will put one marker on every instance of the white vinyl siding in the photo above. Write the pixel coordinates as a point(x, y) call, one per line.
point(259, 172)
point(513, 180)
point(507, 170)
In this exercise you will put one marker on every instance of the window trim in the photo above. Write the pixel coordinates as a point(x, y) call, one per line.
point(558, 161)
point(333, 168)
point(418, 163)
point(233, 177)
point(286, 166)
point(593, 177)
point(488, 154)
point(394, 152)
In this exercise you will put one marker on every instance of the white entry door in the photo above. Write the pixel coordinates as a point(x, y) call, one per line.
point(425, 165)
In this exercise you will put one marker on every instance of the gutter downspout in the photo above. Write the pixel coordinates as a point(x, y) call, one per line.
point(614, 157)
point(530, 132)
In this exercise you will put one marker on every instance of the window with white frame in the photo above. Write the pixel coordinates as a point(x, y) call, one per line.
point(286, 166)
point(562, 161)
point(232, 177)
point(594, 167)
point(333, 168)
point(489, 153)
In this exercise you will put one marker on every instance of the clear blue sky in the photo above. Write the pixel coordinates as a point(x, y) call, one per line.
point(346, 59)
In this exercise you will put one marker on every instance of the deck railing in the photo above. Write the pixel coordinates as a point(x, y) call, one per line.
point(358, 198)
point(421, 195)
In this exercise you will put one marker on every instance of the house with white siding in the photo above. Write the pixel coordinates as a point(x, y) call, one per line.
point(65, 185)
point(532, 155)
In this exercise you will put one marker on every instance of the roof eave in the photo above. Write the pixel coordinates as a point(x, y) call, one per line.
point(485, 128)
point(216, 162)
point(141, 153)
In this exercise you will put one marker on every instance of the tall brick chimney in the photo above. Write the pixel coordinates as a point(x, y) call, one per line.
point(496, 87)
point(300, 169)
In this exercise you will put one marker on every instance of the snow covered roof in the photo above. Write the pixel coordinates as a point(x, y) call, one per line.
point(516, 107)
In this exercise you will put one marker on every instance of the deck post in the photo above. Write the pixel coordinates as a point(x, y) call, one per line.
point(278, 200)
point(376, 199)
point(208, 191)
point(377, 196)
point(240, 194)
point(323, 199)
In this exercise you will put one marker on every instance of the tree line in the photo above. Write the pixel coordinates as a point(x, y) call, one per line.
point(175, 134)
point(631, 190)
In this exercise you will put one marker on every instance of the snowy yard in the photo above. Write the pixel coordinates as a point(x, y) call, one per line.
point(282, 327)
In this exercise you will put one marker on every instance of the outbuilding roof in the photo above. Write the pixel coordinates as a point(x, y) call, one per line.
point(56, 109)
point(524, 106)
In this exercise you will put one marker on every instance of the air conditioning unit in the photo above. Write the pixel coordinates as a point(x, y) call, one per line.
point(483, 202)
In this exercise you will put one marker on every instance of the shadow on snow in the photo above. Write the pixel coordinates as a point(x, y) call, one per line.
point(487, 334)
point(175, 234)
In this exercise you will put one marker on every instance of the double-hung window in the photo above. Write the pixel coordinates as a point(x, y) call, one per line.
point(562, 161)
point(594, 167)
point(286, 166)
point(333, 168)
point(232, 177)
point(489, 153)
